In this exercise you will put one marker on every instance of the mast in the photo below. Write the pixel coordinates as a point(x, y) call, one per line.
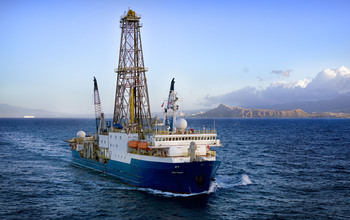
point(172, 99)
point(132, 109)
point(99, 115)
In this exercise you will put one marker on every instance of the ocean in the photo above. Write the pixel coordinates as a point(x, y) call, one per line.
point(270, 169)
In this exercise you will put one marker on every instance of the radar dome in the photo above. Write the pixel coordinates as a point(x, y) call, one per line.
point(181, 124)
point(81, 134)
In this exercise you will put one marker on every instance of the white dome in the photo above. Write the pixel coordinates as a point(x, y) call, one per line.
point(81, 134)
point(181, 124)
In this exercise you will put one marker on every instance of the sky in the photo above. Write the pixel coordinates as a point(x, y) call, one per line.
point(240, 53)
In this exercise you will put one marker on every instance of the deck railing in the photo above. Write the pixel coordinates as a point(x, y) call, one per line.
point(162, 131)
point(188, 131)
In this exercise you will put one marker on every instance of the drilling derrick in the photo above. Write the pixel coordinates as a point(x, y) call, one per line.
point(132, 109)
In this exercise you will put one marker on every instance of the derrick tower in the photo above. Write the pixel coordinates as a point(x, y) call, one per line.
point(132, 109)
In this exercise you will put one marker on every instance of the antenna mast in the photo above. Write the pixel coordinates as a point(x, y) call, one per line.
point(132, 109)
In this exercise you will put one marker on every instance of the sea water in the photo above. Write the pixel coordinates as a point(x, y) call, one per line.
point(270, 168)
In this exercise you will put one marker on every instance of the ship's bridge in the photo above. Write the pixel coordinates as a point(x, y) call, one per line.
point(184, 138)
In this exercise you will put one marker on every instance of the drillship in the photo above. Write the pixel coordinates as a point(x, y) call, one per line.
point(138, 150)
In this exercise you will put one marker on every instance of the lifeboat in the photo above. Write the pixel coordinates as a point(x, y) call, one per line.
point(143, 145)
point(139, 145)
point(133, 144)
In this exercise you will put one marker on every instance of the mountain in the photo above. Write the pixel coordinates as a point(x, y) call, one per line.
point(237, 112)
point(9, 111)
point(340, 104)
point(224, 111)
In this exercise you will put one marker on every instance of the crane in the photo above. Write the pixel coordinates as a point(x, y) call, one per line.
point(99, 115)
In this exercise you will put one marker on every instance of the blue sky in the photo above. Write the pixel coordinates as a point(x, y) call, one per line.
point(217, 51)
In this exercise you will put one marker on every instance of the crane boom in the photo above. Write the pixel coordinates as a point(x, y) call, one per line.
point(99, 115)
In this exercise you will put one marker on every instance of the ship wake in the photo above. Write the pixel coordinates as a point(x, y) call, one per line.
point(227, 182)
point(213, 187)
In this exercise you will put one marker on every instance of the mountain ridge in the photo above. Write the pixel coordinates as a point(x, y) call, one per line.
point(9, 111)
point(340, 104)
point(225, 111)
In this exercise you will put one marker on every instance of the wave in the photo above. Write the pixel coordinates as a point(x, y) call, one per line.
point(42, 146)
point(246, 180)
point(212, 189)
point(232, 181)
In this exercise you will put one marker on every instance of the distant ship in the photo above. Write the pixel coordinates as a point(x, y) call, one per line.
point(137, 149)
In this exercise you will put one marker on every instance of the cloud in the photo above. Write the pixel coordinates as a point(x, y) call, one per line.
point(260, 78)
point(327, 84)
point(281, 72)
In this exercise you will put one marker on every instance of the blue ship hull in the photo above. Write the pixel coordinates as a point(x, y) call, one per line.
point(194, 177)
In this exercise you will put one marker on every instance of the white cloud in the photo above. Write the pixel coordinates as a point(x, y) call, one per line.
point(327, 84)
point(290, 84)
point(281, 72)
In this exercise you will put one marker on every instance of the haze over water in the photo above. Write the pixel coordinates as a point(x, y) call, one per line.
point(271, 168)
